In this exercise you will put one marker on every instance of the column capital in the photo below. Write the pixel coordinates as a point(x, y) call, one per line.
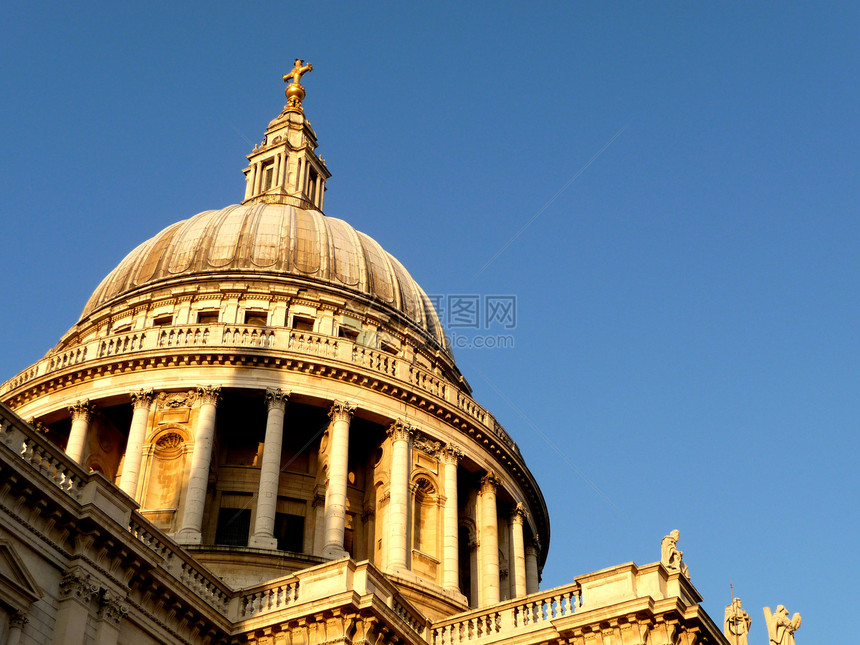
point(18, 619)
point(209, 394)
point(451, 454)
point(341, 411)
point(82, 410)
point(490, 482)
point(519, 514)
point(77, 584)
point(142, 399)
point(533, 543)
point(112, 608)
point(276, 398)
point(400, 430)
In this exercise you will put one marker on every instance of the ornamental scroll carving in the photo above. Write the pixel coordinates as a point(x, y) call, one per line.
point(428, 446)
point(175, 400)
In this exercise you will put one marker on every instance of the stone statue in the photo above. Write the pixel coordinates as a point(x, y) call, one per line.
point(781, 628)
point(670, 556)
point(736, 626)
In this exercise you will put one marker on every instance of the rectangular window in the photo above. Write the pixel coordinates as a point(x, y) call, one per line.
point(234, 519)
point(349, 334)
point(312, 184)
point(290, 532)
point(257, 318)
point(121, 329)
point(387, 347)
point(207, 317)
point(162, 321)
point(303, 324)
point(268, 176)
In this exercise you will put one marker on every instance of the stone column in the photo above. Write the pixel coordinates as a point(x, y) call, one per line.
point(368, 520)
point(258, 176)
point(518, 550)
point(82, 414)
point(76, 589)
point(489, 540)
point(450, 544)
point(16, 627)
point(338, 471)
point(141, 402)
point(249, 183)
point(398, 504)
point(270, 471)
point(111, 612)
point(198, 480)
point(319, 519)
point(532, 575)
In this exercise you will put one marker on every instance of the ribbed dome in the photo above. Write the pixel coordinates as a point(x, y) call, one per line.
point(272, 240)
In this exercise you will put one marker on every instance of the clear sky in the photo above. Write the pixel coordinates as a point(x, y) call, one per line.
point(686, 348)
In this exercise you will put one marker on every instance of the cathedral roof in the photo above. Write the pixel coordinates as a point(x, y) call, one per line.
point(258, 240)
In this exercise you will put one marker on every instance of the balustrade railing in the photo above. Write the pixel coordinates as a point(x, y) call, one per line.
point(250, 336)
point(512, 618)
point(44, 457)
point(270, 598)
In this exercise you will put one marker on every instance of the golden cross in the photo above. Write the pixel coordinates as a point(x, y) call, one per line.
point(298, 71)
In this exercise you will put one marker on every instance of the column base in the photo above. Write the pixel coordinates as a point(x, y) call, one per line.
point(263, 542)
point(188, 536)
point(334, 552)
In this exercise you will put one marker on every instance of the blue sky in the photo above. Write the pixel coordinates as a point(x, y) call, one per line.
point(686, 349)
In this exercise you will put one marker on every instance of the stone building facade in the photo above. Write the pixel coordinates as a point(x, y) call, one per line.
point(257, 433)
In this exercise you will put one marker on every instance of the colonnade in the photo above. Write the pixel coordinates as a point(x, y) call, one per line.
point(330, 507)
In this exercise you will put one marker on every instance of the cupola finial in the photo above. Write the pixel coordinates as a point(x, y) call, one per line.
point(295, 91)
point(284, 167)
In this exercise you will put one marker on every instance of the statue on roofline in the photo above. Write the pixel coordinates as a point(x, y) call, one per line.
point(671, 557)
point(781, 628)
point(736, 625)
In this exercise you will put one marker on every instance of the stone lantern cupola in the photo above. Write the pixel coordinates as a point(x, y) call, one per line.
point(284, 169)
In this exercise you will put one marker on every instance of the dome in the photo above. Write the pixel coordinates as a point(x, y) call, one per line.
point(277, 241)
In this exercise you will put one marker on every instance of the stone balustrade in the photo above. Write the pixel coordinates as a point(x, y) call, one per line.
point(511, 618)
point(264, 338)
point(45, 457)
point(316, 585)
